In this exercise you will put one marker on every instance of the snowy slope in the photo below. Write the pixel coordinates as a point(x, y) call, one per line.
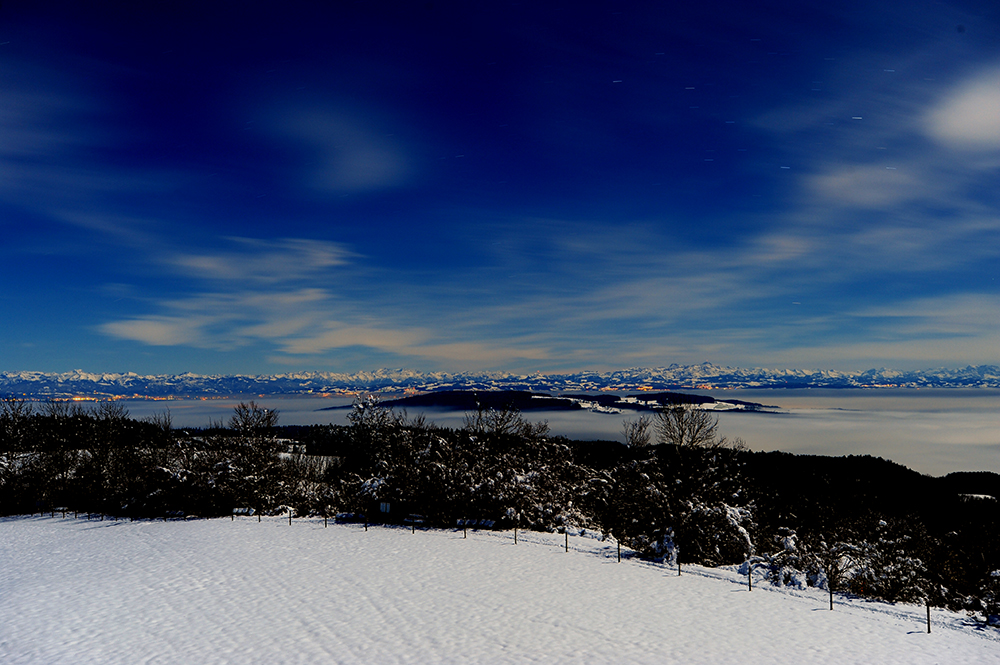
point(221, 591)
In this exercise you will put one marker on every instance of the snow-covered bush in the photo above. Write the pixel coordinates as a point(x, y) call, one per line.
point(716, 534)
point(786, 565)
point(885, 566)
point(989, 598)
point(660, 548)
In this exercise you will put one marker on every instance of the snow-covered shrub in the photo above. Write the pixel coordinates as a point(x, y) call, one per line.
point(827, 561)
point(886, 568)
point(715, 535)
point(989, 598)
point(786, 565)
point(665, 548)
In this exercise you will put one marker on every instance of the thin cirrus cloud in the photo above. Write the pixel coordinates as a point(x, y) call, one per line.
point(248, 296)
point(904, 186)
point(39, 121)
point(870, 186)
point(308, 324)
point(259, 307)
point(344, 152)
point(873, 186)
point(55, 137)
point(396, 341)
point(933, 331)
point(223, 320)
point(282, 260)
point(257, 291)
point(158, 330)
point(971, 315)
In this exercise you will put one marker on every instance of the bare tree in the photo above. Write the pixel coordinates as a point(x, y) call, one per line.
point(163, 421)
point(689, 427)
point(504, 421)
point(111, 411)
point(371, 418)
point(250, 418)
point(636, 432)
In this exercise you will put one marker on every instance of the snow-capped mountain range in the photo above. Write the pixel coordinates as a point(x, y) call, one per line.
point(706, 375)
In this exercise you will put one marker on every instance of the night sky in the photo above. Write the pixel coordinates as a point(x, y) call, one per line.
point(258, 187)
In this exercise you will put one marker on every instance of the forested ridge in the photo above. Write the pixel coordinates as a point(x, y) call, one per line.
point(676, 491)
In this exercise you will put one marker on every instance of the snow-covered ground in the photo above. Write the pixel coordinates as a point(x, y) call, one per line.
point(221, 591)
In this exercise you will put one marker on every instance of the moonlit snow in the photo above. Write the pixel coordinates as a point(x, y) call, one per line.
point(222, 591)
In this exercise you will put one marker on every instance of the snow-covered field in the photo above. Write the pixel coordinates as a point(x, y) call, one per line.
point(221, 591)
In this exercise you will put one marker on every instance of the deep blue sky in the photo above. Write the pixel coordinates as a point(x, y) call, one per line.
point(267, 187)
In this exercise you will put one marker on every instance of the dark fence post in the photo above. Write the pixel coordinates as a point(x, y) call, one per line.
point(928, 614)
point(567, 540)
point(619, 551)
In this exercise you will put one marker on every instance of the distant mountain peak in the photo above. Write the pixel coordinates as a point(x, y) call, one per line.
point(706, 375)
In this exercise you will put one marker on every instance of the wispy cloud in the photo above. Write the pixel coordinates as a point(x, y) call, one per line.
point(56, 138)
point(254, 260)
point(967, 117)
point(347, 153)
point(893, 172)
point(869, 186)
point(222, 320)
point(884, 219)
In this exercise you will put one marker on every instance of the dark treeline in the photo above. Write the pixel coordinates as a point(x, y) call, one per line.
point(675, 490)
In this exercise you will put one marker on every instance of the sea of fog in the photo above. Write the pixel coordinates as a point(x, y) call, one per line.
point(932, 431)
